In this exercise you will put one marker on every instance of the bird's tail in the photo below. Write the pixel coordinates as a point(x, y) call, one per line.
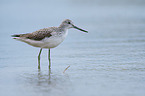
point(16, 35)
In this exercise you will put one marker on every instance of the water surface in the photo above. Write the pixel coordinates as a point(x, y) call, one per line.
point(108, 61)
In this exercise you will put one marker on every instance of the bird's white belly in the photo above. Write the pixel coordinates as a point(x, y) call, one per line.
point(52, 42)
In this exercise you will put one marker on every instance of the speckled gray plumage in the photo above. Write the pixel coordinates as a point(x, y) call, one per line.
point(39, 34)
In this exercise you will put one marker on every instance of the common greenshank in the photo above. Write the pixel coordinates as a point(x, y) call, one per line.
point(47, 38)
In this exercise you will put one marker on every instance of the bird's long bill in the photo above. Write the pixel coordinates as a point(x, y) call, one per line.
point(79, 29)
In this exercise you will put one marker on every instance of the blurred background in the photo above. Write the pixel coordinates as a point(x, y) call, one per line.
point(109, 60)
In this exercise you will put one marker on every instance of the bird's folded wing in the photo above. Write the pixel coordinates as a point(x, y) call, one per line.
point(37, 35)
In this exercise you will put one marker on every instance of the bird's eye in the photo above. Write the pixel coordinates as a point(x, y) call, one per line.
point(68, 22)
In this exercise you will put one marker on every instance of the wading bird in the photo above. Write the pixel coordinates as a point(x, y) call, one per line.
point(47, 38)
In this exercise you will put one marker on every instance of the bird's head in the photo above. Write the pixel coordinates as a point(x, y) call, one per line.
point(67, 24)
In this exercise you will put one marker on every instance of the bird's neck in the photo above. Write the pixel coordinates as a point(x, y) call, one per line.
point(62, 27)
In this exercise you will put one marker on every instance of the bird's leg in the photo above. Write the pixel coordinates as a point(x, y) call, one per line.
point(39, 58)
point(49, 60)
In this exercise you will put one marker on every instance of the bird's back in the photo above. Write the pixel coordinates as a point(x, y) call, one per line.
point(37, 35)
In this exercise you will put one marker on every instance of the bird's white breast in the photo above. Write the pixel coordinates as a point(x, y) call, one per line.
point(54, 40)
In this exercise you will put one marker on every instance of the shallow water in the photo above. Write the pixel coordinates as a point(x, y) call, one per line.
point(109, 60)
